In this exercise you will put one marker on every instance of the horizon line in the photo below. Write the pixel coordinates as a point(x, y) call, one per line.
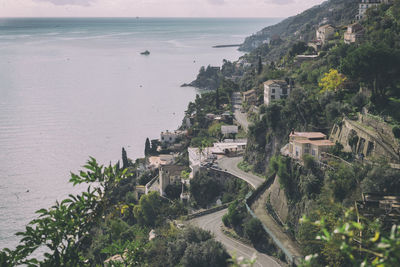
point(139, 17)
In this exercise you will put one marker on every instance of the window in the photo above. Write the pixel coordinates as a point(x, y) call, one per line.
point(313, 152)
point(170, 139)
point(272, 96)
point(307, 151)
point(162, 138)
point(273, 91)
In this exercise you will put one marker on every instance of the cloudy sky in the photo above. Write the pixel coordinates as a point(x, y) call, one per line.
point(153, 8)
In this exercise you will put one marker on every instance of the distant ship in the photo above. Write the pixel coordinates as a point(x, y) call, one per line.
point(146, 53)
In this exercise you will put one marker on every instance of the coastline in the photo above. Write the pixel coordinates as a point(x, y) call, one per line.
point(57, 135)
point(225, 46)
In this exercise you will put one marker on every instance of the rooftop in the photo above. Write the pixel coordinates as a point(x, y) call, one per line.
point(280, 82)
point(325, 27)
point(309, 135)
point(227, 129)
point(252, 91)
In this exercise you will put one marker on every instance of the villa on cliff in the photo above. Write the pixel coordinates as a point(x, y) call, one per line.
point(307, 143)
point(275, 89)
point(168, 138)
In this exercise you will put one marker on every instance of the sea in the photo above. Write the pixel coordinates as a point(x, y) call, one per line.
point(71, 88)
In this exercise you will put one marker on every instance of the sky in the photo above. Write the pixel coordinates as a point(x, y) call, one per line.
point(154, 8)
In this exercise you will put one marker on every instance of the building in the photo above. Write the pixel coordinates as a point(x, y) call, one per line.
point(303, 58)
point(209, 154)
point(197, 159)
point(354, 33)
point(308, 143)
point(250, 97)
point(155, 162)
point(324, 33)
point(168, 137)
point(230, 147)
point(364, 5)
point(275, 89)
point(384, 207)
point(169, 174)
point(228, 130)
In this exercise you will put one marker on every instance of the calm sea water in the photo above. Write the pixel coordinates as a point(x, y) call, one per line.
point(70, 88)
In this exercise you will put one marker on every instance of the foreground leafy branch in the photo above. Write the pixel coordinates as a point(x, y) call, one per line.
point(61, 229)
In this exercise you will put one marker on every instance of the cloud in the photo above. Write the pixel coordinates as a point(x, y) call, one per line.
point(69, 2)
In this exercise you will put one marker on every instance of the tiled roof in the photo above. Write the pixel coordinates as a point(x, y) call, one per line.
point(309, 135)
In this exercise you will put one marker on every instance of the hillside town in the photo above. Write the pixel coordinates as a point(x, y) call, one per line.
point(292, 160)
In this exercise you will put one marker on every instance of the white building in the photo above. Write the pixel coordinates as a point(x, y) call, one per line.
point(364, 5)
point(275, 89)
point(209, 154)
point(196, 159)
point(171, 137)
point(229, 148)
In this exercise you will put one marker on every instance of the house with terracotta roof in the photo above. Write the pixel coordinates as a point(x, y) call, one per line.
point(275, 89)
point(308, 143)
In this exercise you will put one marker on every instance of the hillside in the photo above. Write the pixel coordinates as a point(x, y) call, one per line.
point(302, 26)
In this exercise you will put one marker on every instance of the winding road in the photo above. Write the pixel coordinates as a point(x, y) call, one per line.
point(229, 165)
point(240, 117)
point(213, 223)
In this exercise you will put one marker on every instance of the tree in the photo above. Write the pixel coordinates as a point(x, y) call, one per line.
point(298, 48)
point(62, 227)
point(353, 243)
point(204, 189)
point(331, 81)
point(125, 160)
point(253, 230)
point(396, 131)
point(204, 254)
point(259, 66)
point(154, 145)
point(234, 217)
point(147, 147)
point(217, 98)
point(149, 211)
point(374, 65)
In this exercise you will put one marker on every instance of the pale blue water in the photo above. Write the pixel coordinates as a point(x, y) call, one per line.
point(70, 88)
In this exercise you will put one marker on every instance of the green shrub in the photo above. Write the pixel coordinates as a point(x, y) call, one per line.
point(396, 131)
point(253, 230)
